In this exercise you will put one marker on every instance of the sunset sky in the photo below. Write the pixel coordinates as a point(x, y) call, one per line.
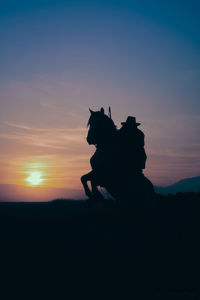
point(58, 58)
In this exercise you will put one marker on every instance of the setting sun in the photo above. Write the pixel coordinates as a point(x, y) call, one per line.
point(35, 178)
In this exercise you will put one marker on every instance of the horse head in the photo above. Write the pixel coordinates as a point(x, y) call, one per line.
point(101, 127)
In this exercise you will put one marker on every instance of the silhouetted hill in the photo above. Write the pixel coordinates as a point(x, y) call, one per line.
point(182, 186)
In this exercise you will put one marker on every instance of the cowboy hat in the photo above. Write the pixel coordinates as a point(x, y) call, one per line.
point(131, 120)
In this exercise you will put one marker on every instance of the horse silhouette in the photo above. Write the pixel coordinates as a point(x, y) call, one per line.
point(116, 165)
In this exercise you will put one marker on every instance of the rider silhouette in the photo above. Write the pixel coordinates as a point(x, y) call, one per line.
point(132, 145)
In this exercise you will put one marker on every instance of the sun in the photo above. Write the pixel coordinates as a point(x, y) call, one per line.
point(35, 178)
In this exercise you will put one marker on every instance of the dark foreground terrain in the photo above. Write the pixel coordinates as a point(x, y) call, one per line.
point(63, 247)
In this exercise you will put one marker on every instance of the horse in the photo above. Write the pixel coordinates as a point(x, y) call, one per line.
point(110, 169)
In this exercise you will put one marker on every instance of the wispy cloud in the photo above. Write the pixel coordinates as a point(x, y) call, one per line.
point(35, 140)
point(56, 138)
point(29, 128)
point(20, 126)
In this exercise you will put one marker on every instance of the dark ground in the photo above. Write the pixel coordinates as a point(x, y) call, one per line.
point(63, 247)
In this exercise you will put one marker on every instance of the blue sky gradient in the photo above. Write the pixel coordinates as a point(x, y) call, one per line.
point(58, 58)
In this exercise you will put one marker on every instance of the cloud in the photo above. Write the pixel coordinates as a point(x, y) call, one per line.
point(55, 138)
point(20, 126)
point(26, 127)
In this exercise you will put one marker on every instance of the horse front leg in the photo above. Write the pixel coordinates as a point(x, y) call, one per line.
point(84, 179)
point(94, 194)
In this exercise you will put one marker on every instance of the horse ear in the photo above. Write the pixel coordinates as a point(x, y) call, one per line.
point(91, 111)
point(102, 110)
point(109, 112)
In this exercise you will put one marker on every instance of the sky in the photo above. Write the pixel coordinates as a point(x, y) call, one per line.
point(60, 58)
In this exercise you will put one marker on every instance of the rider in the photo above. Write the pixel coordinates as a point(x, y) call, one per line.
point(132, 145)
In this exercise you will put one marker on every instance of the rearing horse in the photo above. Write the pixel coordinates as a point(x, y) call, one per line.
point(102, 134)
point(109, 165)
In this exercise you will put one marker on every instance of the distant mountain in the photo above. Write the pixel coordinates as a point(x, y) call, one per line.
point(184, 185)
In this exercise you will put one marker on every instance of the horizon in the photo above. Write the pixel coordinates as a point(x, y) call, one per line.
point(46, 194)
point(60, 58)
